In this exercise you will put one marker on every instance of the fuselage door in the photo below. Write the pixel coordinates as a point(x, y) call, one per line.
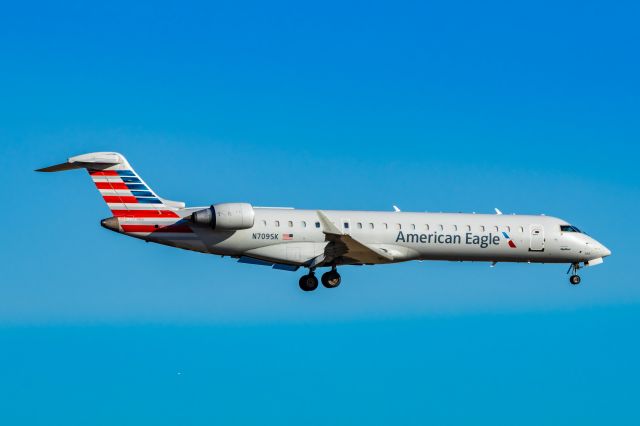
point(537, 238)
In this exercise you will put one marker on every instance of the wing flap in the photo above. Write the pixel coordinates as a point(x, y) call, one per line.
point(344, 245)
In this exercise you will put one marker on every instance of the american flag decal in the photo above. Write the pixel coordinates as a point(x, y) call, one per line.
point(287, 237)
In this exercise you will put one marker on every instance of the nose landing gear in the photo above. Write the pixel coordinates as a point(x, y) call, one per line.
point(574, 279)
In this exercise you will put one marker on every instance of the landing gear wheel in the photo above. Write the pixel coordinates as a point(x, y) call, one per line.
point(331, 279)
point(308, 282)
point(575, 279)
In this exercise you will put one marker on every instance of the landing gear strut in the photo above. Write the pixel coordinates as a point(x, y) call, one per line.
point(331, 279)
point(574, 278)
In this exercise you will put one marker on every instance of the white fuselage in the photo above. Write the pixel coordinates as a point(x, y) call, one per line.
point(291, 236)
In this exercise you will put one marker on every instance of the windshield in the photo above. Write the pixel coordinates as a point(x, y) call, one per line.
point(569, 228)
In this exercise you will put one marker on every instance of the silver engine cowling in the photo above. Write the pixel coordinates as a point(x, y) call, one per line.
point(226, 216)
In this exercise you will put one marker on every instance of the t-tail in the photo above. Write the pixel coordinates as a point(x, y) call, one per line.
point(136, 208)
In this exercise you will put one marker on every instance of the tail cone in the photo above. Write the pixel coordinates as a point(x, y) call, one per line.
point(111, 223)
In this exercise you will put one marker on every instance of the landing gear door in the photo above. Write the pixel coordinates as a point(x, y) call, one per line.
point(536, 238)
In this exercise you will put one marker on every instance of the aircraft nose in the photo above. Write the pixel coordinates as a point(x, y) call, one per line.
point(601, 250)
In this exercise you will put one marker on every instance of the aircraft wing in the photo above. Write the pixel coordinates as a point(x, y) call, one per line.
point(344, 245)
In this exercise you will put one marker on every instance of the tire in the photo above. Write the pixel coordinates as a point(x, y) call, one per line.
point(308, 282)
point(331, 279)
point(575, 279)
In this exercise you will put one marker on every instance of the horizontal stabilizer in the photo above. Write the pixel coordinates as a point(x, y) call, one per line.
point(96, 160)
point(59, 168)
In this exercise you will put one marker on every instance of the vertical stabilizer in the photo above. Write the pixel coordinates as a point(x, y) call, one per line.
point(124, 191)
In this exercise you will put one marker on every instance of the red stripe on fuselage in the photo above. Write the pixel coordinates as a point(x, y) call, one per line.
point(152, 228)
point(120, 200)
point(144, 213)
point(111, 185)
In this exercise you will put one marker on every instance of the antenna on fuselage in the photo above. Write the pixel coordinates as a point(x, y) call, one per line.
point(396, 209)
point(497, 211)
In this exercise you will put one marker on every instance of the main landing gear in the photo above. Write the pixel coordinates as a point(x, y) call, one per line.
point(329, 279)
point(574, 278)
point(308, 282)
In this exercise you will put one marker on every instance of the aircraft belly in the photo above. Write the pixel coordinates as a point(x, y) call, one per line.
point(296, 253)
point(488, 254)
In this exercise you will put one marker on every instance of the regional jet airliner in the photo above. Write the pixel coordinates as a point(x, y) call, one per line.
point(289, 239)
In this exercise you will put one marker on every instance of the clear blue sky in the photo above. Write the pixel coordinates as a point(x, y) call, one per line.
point(532, 108)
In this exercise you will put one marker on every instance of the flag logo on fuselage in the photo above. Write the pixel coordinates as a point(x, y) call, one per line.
point(509, 240)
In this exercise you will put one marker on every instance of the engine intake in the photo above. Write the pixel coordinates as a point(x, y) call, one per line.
point(226, 216)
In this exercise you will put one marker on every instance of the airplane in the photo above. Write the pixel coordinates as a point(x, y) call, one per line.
point(289, 239)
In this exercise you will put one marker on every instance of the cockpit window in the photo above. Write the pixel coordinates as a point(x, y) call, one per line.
point(569, 228)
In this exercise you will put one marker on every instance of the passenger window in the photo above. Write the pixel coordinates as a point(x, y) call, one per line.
point(317, 224)
point(264, 223)
point(277, 223)
point(495, 228)
point(482, 229)
point(413, 226)
point(359, 225)
point(304, 224)
point(386, 226)
point(371, 226)
point(441, 227)
point(468, 228)
point(398, 226)
point(455, 227)
point(521, 229)
point(508, 229)
point(290, 224)
point(346, 225)
point(426, 227)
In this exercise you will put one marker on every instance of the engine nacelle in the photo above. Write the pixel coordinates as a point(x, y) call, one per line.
point(226, 216)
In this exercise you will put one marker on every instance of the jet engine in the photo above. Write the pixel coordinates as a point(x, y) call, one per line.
point(226, 216)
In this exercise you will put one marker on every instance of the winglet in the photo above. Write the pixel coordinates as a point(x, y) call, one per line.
point(327, 226)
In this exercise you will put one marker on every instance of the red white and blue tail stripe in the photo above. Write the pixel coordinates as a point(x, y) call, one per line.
point(138, 210)
point(127, 195)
